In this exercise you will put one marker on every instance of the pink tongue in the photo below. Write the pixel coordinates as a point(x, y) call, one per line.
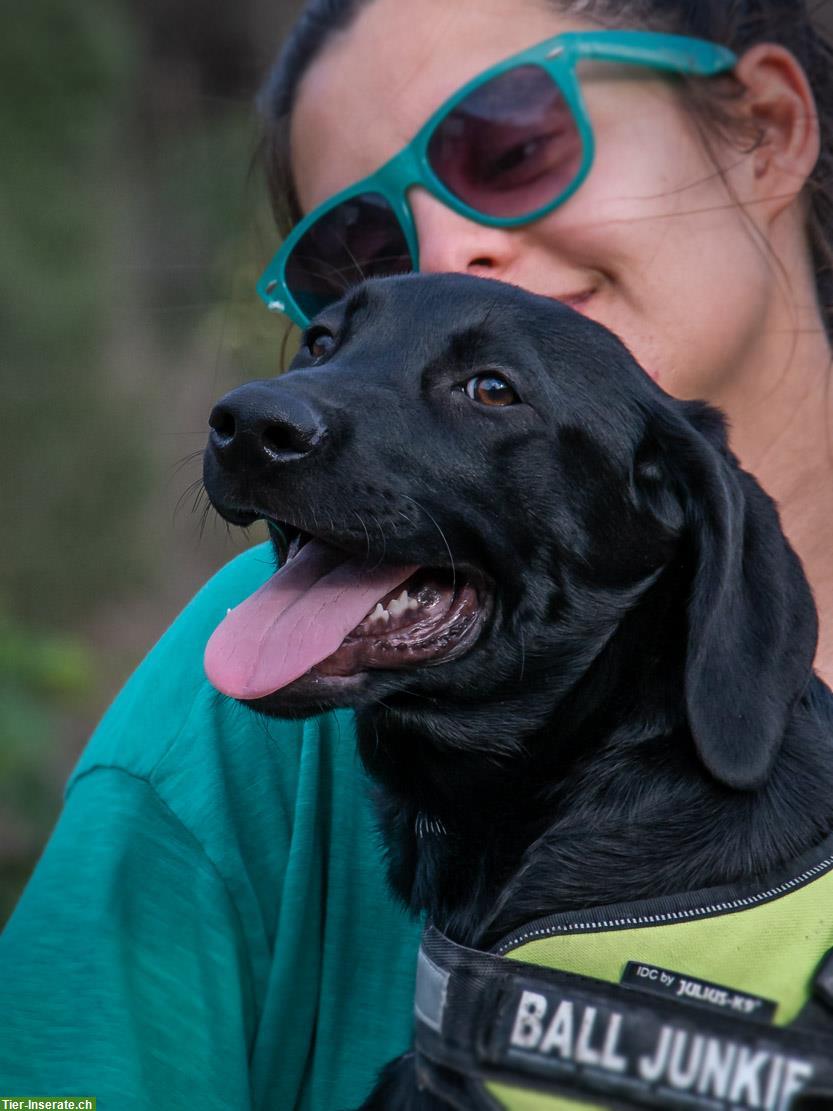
point(295, 620)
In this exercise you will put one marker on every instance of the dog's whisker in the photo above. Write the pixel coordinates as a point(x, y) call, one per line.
point(353, 258)
point(488, 313)
point(186, 459)
point(321, 269)
point(378, 524)
point(400, 687)
point(194, 488)
point(366, 533)
point(317, 269)
point(442, 534)
point(345, 274)
point(377, 744)
point(204, 518)
point(191, 488)
point(199, 494)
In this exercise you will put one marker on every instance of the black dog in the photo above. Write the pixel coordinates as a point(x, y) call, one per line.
point(578, 643)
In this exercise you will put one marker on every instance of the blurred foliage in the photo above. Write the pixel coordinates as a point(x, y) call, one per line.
point(65, 450)
point(190, 197)
point(133, 231)
point(67, 70)
point(44, 679)
point(49, 666)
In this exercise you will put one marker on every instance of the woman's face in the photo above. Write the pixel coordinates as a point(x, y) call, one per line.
point(652, 245)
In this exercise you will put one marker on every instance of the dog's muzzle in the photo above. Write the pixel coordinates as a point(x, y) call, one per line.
point(335, 609)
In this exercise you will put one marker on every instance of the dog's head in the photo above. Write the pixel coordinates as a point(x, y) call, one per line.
point(473, 491)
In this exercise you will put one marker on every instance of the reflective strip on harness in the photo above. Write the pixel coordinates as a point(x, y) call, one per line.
point(556, 1040)
point(431, 988)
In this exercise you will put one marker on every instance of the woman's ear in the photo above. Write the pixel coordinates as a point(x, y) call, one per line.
point(779, 101)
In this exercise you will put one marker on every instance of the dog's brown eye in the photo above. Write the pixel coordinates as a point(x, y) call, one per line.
point(320, 343)
point(490, 389)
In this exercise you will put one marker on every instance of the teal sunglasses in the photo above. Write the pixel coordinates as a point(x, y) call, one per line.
point(507, 148)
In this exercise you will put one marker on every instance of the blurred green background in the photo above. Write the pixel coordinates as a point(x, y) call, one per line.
point(133, 230)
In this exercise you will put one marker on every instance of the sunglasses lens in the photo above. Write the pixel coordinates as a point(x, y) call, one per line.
point(510, 147)
point(358, 239)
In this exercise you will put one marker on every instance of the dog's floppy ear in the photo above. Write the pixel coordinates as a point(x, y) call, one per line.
point(752, 625)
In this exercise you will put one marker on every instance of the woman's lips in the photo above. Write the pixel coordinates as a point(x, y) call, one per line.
point(576, 301)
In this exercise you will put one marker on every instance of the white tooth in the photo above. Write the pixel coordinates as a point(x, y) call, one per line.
point(379, 614)
point(413, 604)
point(399, 605)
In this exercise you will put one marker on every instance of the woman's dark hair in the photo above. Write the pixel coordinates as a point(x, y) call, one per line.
point(738, 24)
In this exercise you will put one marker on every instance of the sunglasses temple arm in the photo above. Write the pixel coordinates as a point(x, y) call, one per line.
point(677, 55)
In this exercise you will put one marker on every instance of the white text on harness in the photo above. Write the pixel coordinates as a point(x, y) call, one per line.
point(681, 1060)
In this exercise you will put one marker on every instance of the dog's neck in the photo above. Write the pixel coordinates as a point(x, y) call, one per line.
point(610, 793)
point(464, 858)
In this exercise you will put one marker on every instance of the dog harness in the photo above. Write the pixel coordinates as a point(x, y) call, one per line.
point(716, 1000)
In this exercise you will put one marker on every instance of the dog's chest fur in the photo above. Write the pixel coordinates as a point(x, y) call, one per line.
point(483, 851)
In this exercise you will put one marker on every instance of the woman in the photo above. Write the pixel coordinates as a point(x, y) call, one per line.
point(209, 922)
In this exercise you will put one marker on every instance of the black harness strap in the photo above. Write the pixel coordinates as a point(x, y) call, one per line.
point(481, 1017)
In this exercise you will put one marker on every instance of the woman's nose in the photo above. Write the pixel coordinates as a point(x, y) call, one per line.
point(452, 243)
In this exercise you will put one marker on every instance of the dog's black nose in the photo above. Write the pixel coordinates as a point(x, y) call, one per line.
point(257, 424)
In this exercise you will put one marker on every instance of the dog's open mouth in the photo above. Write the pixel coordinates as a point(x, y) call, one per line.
point(331, 612)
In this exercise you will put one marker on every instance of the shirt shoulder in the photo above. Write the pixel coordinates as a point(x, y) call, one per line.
point(254, 793)
point(250, 840)
point(168, 693)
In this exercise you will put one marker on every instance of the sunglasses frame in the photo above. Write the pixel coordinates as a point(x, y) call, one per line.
point(558, 57)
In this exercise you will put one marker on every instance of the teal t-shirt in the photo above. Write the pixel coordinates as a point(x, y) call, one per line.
point(209, 924)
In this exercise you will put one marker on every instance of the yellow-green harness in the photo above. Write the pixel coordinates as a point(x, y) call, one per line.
point(717, 999)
